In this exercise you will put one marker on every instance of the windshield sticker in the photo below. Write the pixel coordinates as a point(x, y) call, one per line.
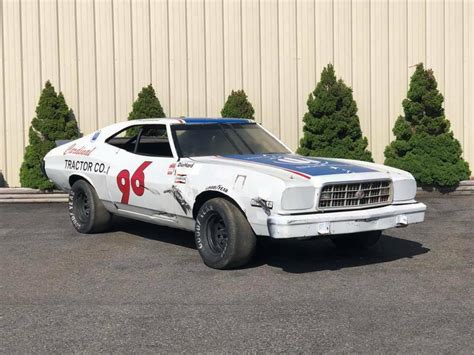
point(178, 196)
point(78, 151)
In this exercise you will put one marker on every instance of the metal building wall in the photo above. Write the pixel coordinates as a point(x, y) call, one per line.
point(100, 53)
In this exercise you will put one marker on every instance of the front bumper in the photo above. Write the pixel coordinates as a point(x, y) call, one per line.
point(324, 224)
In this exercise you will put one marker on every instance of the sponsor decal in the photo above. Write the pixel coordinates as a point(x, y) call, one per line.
point(185, 164)
point(95, 136)
point(263, 204)
point(217, 188)
point(300, 161)
point(86, 166)
point(180, 179)
point(178, 196)
point(171, 168)
point(73, 150)
point(136, 183)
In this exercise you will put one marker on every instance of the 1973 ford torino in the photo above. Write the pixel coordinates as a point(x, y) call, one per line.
point(228, 180)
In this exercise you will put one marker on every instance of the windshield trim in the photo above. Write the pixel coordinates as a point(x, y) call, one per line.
point(221, 126)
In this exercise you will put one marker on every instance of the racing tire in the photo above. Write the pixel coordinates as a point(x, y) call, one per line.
point(223, 235)
point(362, 240)
point(87, 212)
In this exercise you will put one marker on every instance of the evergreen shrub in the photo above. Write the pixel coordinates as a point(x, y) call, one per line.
point(424, 145)
point(238, 106)
point(54, 121)
point(331, 125)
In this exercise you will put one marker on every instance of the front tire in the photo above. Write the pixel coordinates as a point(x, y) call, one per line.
point(362, 240)
point(87, 213)
point(223, 235)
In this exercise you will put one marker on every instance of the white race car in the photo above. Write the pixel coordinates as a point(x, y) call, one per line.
point(228, 180)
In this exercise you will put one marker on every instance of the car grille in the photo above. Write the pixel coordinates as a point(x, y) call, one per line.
point(355, 195)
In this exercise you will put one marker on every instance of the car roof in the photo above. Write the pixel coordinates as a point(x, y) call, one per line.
point(204, 120)
point(107, 131)
point(190, 120)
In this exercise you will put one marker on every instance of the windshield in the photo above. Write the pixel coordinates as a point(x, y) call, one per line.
point(224, 139)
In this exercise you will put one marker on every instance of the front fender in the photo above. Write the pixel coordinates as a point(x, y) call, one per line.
point(206, 195)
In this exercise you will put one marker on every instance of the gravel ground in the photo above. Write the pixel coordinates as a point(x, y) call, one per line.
point(143, 289)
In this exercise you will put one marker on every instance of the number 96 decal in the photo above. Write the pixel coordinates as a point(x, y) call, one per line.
point(137, 182)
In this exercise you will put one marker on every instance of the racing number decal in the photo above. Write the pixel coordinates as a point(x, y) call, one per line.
point(137, 183)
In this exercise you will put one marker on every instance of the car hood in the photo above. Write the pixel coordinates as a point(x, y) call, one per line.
point(303, 166)
point(317, 171)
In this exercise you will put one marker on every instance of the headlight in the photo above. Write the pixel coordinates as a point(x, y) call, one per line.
point(298, 198)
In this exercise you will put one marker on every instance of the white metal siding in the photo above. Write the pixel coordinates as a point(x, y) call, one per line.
point(100, 54)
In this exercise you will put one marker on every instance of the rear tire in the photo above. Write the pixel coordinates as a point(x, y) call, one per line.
point(87, 212)
point(223, 235)
point(362, 240)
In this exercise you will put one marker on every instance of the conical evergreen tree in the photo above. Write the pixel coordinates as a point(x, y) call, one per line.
point(424, 145)
point(331, 125)
point(146, 105)
point(238, 106)
point(54, 121)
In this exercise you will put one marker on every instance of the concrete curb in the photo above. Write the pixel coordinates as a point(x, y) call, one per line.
point(35, 200)
point(25, 195)
point(465, 187)
point(24, 190)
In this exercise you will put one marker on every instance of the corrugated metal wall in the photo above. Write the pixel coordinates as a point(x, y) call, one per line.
point(100, 53)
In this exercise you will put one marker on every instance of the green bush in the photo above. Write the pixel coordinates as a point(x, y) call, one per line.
point(146, 105)
point(238, 106)
point(54, 121)
point(424, 145)
point(331, 125)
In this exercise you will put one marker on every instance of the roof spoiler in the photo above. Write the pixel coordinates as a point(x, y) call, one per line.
point(62, 142)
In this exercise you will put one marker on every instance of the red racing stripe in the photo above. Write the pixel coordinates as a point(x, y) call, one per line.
point(298, 173)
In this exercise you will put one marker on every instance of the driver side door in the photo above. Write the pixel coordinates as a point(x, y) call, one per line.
point(142, 173)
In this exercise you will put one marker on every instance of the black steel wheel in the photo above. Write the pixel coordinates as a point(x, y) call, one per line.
point(82, 207)
point(87, 213)
point(223, 235)
point(217, 233)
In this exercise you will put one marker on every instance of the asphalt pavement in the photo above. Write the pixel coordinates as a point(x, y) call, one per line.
point(144, 289)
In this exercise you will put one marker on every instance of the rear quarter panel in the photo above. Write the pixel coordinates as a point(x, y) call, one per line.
point(86, 157)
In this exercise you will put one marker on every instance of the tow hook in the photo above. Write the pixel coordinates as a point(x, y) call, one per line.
point(402, 220)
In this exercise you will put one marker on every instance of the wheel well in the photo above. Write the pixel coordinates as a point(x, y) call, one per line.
point(205, 196)
point(74, 178)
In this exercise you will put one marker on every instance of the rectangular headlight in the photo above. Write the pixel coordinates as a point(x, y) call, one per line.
point(298, 198)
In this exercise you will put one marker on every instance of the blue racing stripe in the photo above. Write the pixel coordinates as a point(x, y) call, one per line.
point(301, 164)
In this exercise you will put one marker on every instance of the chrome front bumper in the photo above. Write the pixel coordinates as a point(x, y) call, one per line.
point(324, 224)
